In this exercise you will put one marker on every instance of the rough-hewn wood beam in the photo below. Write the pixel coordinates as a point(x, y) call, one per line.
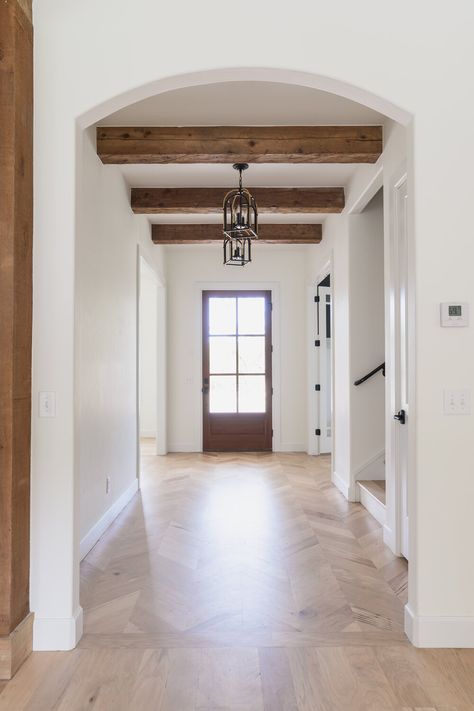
point(267, 233)
point(153, 201)
point(230, 144)
point(16, 220)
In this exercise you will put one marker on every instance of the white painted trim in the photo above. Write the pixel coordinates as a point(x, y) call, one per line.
point(340, 484)
point(148, 434)
point(99, 528)
point(373, 468)
point(291, 447)
point(312, 371)
point(388, 535)
point(364, 186)
point(184, 447)
point(372, 504)
point(161, 362)
point(443, 632)
point(52, 634)
point(226, 74)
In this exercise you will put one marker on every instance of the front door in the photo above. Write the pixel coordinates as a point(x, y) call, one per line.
point(237, 371)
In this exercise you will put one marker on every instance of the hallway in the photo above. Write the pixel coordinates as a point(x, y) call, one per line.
point(242, 583)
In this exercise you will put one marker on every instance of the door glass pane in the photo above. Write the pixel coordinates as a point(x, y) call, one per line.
point(252, 393)
point(251, 354)
point(222, 355)
point(252, 315)
point(222, 316)
point(223, 393)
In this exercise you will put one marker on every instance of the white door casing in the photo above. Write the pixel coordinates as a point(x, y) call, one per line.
point(325, 370)
point(398, 380)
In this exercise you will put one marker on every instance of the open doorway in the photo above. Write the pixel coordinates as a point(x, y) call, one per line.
point(368, 433)
point(324, 350)
point(151, 361)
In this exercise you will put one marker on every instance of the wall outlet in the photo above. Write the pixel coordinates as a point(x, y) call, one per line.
point(457, 402)
point(107, 485)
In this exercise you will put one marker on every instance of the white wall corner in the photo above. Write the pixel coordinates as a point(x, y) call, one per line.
point(51, 634)
point(99, 528)
point(372, 469)
point(441, 632)
point(349, 491)
point(390, 540)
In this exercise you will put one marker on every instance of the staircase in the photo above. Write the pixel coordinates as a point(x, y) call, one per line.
point(372, 497)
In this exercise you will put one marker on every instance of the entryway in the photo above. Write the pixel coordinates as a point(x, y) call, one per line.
point(237, 370)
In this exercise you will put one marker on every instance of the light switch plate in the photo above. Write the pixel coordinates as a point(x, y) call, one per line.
point(47, 404)
point(457, 402)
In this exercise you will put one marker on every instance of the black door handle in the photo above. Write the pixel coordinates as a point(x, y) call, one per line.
point(205, 386)
point(400, 416)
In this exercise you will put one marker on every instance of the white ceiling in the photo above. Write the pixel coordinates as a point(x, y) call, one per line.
point(244, 104)
point(173, 175)
point(241, 103)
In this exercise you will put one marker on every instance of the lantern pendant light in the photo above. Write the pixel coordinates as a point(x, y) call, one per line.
point(240, 223)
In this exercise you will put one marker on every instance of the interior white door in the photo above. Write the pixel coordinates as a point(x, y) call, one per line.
point(325, 366)
point(401, 360)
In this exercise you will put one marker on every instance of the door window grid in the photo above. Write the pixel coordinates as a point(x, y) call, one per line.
point(233, 391)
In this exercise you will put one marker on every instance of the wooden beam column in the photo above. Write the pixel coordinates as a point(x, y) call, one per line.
point(16, 219)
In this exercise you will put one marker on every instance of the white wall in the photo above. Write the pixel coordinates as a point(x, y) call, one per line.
point(147, 349)
point(367, 339)
point(191, 269)
point(106, 346)
point(394, 66)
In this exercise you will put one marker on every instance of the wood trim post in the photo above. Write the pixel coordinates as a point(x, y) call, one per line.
point(16, 229)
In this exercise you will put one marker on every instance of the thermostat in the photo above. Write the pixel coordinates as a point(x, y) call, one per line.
point(454, 313)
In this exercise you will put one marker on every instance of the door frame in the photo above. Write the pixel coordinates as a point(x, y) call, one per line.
point(274, 289)
point(313, 446)
point(161, 364)
point(393, 526)
point(206, 374)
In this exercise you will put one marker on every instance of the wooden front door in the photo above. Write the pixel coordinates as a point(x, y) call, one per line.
point(237, 371)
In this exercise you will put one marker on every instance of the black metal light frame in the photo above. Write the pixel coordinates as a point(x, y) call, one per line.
point(240, 222)
point(237, 251)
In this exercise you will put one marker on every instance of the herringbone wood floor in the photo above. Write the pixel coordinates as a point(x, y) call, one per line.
point(243, 583)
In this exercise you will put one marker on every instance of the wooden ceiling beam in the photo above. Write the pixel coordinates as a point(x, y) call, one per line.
point(208, 234)
point(231, 144)
point(154, 201)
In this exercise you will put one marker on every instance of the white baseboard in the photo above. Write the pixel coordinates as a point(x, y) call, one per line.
point(148, 434)
point(340, 484)
point(99, 528)
point(389, 539)
point(444, 632)
point(184, 447)
point(373, 468)
point(290, 447)
point(372, 504)
point(52, 634)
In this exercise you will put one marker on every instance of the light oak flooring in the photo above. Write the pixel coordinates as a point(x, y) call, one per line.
point(243, 583)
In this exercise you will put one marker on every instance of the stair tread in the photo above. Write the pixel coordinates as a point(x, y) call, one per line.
point(376, 487)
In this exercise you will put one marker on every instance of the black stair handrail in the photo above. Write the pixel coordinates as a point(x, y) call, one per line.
point(369, 375)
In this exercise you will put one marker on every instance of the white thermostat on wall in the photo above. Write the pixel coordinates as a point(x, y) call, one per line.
point(454, 313)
